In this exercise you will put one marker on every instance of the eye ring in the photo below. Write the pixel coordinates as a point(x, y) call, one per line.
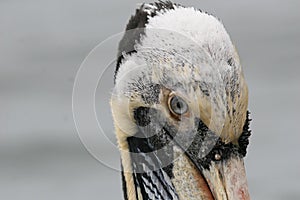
point(177, 105)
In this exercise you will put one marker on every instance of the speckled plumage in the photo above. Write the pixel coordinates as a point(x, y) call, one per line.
point(174, 54)
point(172, 49)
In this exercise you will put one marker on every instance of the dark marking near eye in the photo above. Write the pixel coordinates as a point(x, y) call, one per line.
point(141, 116)
point(220, 151)
point(152, 136)
point(149, 92)
point(145, 141)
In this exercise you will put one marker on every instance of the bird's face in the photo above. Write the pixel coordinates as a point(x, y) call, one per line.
point(210, 129)
point(184, 108)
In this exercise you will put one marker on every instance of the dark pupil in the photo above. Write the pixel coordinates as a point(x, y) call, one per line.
point(179, 105)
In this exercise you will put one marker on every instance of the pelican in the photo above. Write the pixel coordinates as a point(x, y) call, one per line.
point(180, 107)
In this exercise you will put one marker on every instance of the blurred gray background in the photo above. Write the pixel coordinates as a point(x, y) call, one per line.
point(43, 43)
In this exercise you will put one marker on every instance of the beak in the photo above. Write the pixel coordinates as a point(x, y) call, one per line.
point(227, 179)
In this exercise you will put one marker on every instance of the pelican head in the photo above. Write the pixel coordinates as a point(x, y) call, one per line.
point(180, 107)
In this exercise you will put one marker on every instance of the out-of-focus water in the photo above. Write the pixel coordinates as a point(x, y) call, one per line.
point(42, 44)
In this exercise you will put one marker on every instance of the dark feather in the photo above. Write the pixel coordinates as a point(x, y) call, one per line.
point(150, 177)
point(135, 28)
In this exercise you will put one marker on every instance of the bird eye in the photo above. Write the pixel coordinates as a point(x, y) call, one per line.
point(177, 105)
